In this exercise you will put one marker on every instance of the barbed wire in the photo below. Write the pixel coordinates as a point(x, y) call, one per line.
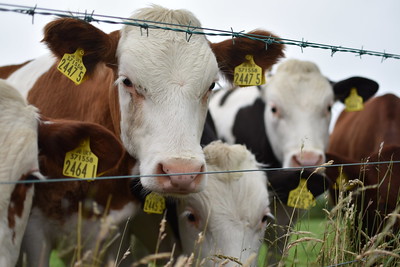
point(188, 29)
point(315, 167)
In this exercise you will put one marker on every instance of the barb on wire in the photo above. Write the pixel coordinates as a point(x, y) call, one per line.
point(31, 12)
point(146, 27)
point(88, 18)
point(146, 24)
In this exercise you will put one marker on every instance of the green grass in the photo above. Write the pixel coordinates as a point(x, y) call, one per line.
point(55, 260)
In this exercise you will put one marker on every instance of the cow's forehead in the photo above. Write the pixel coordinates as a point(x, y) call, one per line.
point(299, 88)
point(155, 57)
point(152, 62)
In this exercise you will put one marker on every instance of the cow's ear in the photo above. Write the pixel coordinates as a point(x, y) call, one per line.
point(56, 138)
point(231, 53)
point(66, 35)
point(366, 88)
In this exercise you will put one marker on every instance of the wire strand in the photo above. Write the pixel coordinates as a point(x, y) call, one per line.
point(189, 30)
point(53, 180)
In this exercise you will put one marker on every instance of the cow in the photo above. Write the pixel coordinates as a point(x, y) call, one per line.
point(285, 123)
point(150, 90)
point(231, 203)
point(370, 134)
point(31, 142)
point(18, 162)
point(148, 86)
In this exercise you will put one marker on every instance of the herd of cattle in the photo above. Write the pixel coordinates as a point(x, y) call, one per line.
point(147, 106)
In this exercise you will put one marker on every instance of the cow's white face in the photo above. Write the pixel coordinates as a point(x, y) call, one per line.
point(297, 114)
point(164, 85)
point(231, 212)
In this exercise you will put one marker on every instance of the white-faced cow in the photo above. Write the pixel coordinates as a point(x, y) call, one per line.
point(232, 211)
point(285, 124)
point(371, 134)
point(151, 89)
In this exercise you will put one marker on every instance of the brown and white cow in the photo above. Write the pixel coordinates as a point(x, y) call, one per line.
point(27, 140)
point(371, 134)
point(18, 162)
point(151, 89)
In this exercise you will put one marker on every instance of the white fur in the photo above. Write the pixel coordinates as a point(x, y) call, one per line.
point(18, 156)
point(174, 77)
point(301, 95)
point(24, 78)
point(229, 211)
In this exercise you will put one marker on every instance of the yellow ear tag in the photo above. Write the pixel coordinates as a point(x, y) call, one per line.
point(248, 73)
point(81, 162)
point(341, 180)
point(154, 203)
point(71, 65)
point(301, 197)
point(354, 102)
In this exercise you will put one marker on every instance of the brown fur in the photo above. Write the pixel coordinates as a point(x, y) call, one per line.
point(58, 200)
point(17, 200)
point(231, 53)
point(359, 134)
point(66, 35)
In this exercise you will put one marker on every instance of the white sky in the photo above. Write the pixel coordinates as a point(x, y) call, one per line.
point(368, 24)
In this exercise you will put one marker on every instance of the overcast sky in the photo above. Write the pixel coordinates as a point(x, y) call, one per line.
point(368, 24)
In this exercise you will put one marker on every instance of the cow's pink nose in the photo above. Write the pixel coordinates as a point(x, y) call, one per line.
point(188, 179)
point(307, 158)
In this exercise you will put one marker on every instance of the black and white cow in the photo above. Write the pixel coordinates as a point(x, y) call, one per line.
point(285, 123)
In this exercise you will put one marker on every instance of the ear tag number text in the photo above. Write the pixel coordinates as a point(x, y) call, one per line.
point(248, 73)
point(71, 65)
point(301, 197)
point(154, 203)
point(354, 102)
point(81, 162)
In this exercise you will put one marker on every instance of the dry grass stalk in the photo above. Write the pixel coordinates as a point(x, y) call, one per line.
point(152, 258)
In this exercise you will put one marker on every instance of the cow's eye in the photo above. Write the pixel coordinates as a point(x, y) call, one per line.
point(127, 82)
point(190, 217)
point(264, 218)
point(212, 86)
point(274, 109)
point(329, 108)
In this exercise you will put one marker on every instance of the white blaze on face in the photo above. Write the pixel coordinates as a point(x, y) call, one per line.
point(298, 101)
point(164, 84)
point(232, 210)
point(18, 156)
